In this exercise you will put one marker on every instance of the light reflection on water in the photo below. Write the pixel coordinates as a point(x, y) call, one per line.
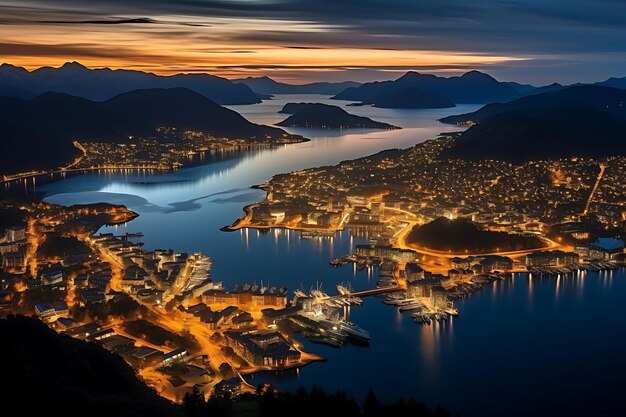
point(550, 347)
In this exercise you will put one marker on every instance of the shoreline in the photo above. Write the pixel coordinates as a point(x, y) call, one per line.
point(9, 179)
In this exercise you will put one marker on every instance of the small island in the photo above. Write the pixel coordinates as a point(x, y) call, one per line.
point(324, 116)
point(461, 235)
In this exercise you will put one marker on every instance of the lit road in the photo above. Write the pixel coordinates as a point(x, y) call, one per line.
point(595, 188)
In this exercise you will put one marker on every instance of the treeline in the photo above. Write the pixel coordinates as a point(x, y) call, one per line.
point(303, 403)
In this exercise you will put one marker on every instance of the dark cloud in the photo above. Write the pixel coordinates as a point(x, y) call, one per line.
point(112, 21)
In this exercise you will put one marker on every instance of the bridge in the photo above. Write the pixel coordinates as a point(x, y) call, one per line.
point(365, 293)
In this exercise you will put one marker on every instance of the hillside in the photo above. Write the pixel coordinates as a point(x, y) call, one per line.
point(545, 134)
point(472, 87)
point(609, 100)
point(102, 84)
point(463, 236)
point(266, 85)
point(323, 116)
point(50, 122)
point(576, 121)
point(411, 98)
point(70, 377)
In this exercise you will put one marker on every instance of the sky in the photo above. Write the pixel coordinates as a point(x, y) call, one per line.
point(533, 41)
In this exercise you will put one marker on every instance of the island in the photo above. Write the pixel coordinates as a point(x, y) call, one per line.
point(324, 116)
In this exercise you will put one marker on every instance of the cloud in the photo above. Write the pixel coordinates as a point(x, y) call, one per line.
point(556, 31)
point(112, 21)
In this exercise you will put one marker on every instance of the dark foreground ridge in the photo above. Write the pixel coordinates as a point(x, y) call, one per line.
point(70, 377)
point(58, 375)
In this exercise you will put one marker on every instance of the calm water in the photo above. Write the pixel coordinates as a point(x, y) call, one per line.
point(523, 347)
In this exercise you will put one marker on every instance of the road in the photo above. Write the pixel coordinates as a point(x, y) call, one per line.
point(595, 188)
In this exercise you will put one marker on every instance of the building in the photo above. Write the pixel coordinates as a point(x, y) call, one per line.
point(174, 356)
point(15, 233)
point(46, 312)
point(413, 271)
point(422, 287)
point(386, 252)
point(439, 298)
point(492, 263)
point(605, 249)
point(263, 349)
point(51, 277)
point(554, 258)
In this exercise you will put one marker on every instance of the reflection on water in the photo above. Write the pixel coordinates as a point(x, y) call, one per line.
point(550, 347)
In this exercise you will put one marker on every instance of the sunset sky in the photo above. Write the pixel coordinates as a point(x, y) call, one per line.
point(535, 41)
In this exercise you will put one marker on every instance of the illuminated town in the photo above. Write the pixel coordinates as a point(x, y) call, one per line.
point(247, 208)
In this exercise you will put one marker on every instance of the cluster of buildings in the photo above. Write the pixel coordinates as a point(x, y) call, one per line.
point(518, 198)
point(248, 295)
point(127, 347)
point(13, 247)
point(152, 275)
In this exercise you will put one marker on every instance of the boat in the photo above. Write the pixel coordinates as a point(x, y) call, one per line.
point(300, 294)
point(353, 331)
point(411, 306)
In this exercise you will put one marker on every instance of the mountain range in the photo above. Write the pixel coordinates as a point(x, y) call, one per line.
point(471, 87)
point(324, 116)
point(50, 122)
point(268, 86)
point(585, 120)
point(102, 84)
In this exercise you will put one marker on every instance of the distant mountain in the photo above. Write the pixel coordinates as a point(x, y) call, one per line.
point(38, 133)
point(265, 85)
point(71, 376)
point(323, 116)
point(101, 84)
point(576, 121)
point(411, 98)
point(472, 87)
point(614, 82)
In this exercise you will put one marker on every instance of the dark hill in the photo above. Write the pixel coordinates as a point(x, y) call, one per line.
point(547, 134)
point(576, 121)
point(411, 98)
point(609, 100)
point(58, 375)
point(316, 115)
point(101, 84)
point(472, 87)
point(461, 235)
point(38, 133)
point(266, 85)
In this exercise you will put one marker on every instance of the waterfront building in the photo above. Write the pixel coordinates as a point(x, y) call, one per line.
point(422, 287)
point(263, 349)
point(386, 252)
point(554, 258)
point(605, 249)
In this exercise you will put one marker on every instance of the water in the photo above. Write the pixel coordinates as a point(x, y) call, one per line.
point(523, 347)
